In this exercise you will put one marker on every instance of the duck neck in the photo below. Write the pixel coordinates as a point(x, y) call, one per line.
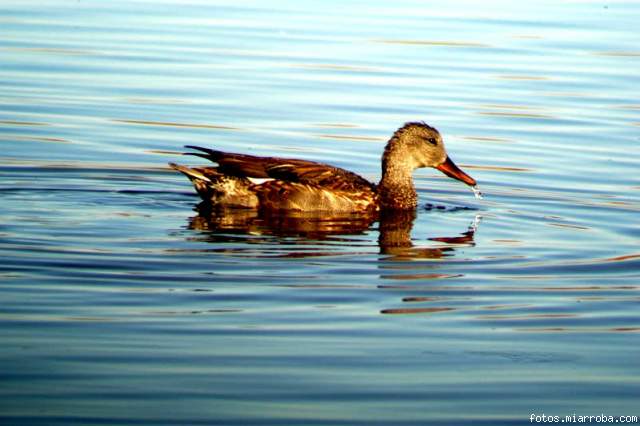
point(396, 189)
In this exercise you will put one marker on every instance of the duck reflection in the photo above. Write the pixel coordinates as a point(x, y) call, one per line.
point(394, 228)
point(395, 238)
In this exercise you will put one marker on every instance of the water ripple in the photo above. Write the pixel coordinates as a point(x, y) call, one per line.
point(124, 303)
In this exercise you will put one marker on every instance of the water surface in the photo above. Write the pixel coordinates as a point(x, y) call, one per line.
point(122, 305)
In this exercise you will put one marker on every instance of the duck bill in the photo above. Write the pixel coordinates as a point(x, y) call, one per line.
point(450, 169)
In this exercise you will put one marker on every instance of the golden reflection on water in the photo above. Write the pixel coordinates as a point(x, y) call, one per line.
point(416, 310)
point(23, 123)
point(425, 276)
point(164, 152)
point(9, 137)
point(525, 317)
point(515, 114)
point(253, 222)
point(349, 137)
point(175, 124)
point(486, 139)
point(496, 168)
point(622, 258)
point(420, 299)
point(512, 110)
point(578, 329)
point(335, 67)
point(154, 101)
point(336, 125)
point(510, 106)
point(434, 43)
point(629, 54)
point(52, 50)
point(523, 77)
point(567, 225)
point(528, 37)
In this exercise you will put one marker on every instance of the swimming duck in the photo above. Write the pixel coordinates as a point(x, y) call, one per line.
point(308, 186)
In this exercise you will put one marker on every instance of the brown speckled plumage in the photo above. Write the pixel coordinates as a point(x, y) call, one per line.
point(300, 185)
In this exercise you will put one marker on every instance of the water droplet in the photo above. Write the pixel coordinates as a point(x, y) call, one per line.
point(475, 224)
point(476, 192)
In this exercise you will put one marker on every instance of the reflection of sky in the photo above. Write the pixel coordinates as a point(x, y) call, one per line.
point(538, 96)
point(548, 75)
point(106, 269)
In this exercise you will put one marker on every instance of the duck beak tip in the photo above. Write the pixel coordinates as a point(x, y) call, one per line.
point(450, 169)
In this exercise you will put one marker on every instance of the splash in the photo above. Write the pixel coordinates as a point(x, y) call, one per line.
point(476, 192)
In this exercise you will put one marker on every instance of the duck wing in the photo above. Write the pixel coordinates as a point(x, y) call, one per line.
point(288, 170)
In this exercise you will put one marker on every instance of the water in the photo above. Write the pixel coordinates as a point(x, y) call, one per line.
point(120, 304)
point(476, 192)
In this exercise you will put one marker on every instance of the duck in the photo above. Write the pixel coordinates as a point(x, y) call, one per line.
point(276, 184)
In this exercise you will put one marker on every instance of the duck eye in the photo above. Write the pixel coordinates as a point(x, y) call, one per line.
point(430, 140)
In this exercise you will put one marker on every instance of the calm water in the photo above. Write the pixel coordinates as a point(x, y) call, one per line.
point(119, 304)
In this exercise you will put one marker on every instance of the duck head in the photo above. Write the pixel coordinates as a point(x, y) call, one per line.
point(417, 145)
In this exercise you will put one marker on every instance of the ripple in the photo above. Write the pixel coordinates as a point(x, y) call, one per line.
point(623, 54)
point(486, 139)
point(461, 44)
point(51, 51)
point(23, 123)
point(497, 168)
point(524, 77)
point(350, 137)
point(515, 114)
point(404, 311)
point(173, 124)
point(9, 137)
point(114, 284)
point(337, 67)
point(336, 125)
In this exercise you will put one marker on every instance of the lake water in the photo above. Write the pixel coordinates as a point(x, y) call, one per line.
point(119, 304)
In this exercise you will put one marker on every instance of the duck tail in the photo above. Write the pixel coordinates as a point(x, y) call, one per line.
point(192, 174)
point(209, 154)
point(219, 190)
point(204, 185)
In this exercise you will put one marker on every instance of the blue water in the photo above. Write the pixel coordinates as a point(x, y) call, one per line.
point(120, 304)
